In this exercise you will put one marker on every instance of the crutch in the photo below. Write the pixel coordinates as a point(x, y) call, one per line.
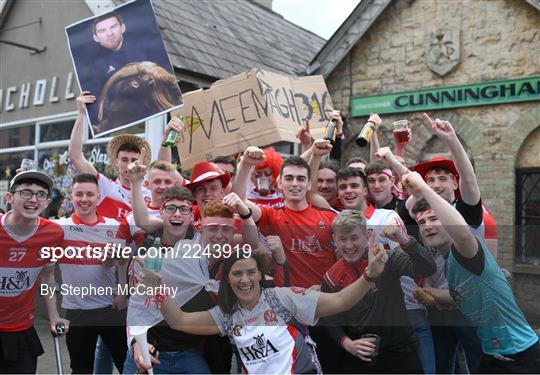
point(60, 329)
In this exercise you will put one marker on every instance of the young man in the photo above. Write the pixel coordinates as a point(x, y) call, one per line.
point(100, 313)
point(23, 267)
point(123, 150)
point(383, 312)
point(326, 183)
point(476, 284)
point(161, 177)
point(305, 230)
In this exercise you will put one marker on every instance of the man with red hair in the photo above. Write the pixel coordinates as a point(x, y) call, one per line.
point(264, 179)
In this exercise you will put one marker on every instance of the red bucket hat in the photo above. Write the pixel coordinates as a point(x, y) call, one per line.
point(438, 162)
point(205, 171)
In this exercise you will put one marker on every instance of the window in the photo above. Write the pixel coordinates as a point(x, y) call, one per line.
point(17, 137)
point(528, 216)
point(56, 131)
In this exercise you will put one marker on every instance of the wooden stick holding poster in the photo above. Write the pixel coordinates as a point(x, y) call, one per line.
point(255, 108)
point(120, 58)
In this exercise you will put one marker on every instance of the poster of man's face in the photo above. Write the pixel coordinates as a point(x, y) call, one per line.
point(120, 58)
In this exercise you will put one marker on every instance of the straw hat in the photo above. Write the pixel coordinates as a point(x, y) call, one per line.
point(119, 140)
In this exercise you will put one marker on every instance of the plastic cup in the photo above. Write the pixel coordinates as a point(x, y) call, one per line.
point(401, 131)
point(376, 339)
point(29, 165)
point(263, 185)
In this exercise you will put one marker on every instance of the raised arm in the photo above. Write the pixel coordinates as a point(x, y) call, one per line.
point(249, 235)
point(252, 156)
point(75, 149)
point(304, 136)
point(179, 127)
point(468, 185)
point(452, 221)
point(136, 173)
point(319, 149)
point(386, 155)
point(195, 323)
point(374, 144)
point(334, 303)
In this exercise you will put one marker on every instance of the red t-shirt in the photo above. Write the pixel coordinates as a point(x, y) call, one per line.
point(306, 237)
point(490, 224)
point(20, 266)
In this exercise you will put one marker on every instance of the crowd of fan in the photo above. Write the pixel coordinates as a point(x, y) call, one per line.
point(281, 266)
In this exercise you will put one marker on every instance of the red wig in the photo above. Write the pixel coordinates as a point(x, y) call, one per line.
point(273, 160)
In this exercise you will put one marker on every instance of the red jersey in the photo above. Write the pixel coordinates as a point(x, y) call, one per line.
point(131, 233)
point(490, 224)
point(116, 198)
point(274, 200)
point(20, 266)
point(306, 237)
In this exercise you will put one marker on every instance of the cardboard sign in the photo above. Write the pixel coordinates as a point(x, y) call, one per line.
point(255, 108)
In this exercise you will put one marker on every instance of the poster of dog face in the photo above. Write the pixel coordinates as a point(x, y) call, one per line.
point(120, 58)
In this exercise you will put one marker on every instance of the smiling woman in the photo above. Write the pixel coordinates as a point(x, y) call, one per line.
point(267, 325)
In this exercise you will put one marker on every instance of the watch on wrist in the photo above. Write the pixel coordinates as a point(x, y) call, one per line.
point(369, 278)
point(246, 216)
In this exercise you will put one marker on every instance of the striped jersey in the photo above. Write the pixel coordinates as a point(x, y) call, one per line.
point(85, 270)
point(20, 266)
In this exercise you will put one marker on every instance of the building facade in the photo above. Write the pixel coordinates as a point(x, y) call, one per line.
point(205, 41)
point(405, 47)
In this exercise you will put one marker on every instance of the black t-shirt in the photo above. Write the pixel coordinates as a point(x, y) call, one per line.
point(167, 339)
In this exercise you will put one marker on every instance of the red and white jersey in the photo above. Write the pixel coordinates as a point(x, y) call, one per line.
point(130, 232)
point(274, 200)
point(116, 198)
point(267, 337)
point(83, 270)
point(20, 265)
point(489, 223)
point(306, 236)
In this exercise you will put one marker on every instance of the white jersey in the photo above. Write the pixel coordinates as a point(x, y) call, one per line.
point(86, 271)
point(116, 198)
point(268, 337)
point(376, 219)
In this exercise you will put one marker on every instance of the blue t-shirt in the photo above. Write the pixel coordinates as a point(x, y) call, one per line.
point(488, 301)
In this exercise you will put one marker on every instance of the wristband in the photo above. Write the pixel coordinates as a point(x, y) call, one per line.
point(246, 216)
point(369, 278)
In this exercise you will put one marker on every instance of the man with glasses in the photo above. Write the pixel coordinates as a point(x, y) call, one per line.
point(22, 235)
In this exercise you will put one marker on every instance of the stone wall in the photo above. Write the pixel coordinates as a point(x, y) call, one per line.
point(499, 40)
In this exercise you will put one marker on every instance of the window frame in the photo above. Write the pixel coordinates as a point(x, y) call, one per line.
point(519, 255)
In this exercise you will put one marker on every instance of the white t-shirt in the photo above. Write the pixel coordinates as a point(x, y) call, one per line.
point(269, 337)
point(86, 271)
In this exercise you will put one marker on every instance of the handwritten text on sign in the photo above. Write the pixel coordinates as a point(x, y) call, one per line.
point(254, 108)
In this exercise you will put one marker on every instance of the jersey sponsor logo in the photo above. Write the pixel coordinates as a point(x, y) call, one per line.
point(260, 349)
point(109, 233)
point(310, 244)
point(16, 283)
point(75, 228)
point(270, 318)
point(298, 290)
point(496, 343)
point(322, 224)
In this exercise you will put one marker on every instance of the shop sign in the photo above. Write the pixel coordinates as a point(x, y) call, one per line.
point(36, 93)
point(472, 95)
